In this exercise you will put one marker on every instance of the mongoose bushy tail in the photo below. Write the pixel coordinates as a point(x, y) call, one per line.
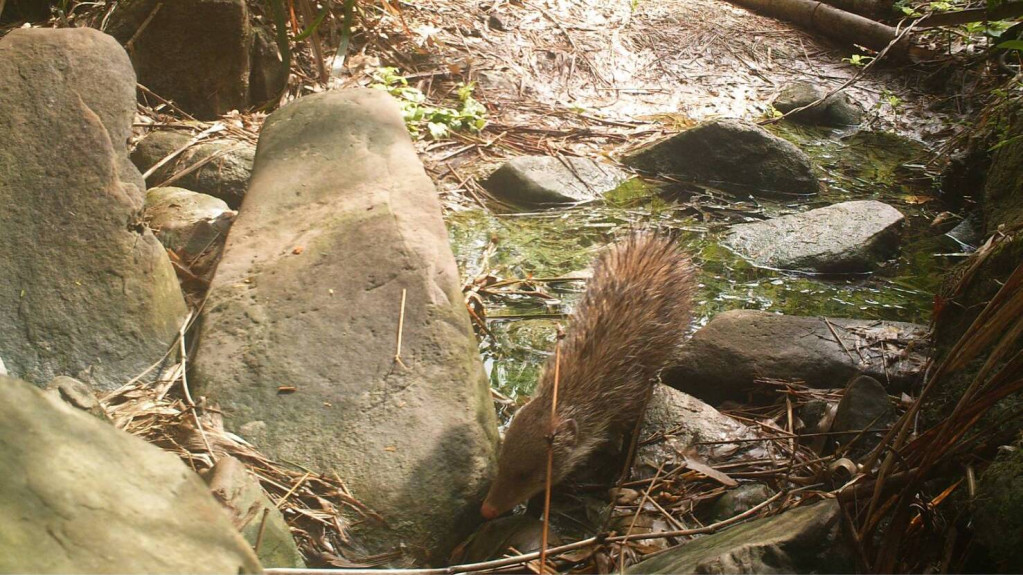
point(630, 321)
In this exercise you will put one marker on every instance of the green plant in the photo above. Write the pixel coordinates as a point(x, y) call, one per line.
point(1011, 45)
point(993, 29)
point(858, 60)
point(893, 101)
point(438, 122)
point(905, 7)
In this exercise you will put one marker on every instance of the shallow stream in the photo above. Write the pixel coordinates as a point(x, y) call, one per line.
point(562, 242)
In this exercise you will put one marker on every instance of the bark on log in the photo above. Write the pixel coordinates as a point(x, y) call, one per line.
point(834, 23)
point(1004, 11)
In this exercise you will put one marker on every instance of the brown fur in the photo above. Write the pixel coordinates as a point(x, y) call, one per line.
point(629, 323)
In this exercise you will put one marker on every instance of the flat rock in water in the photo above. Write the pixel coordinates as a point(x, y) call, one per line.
point(89, 290)
point(835, 110)
point(849, 237)
point(218, 168)
point(732, 155)
point(340, 241)
point(723, 358)
point(540, 180)
point(806, 539)
point(80, 496)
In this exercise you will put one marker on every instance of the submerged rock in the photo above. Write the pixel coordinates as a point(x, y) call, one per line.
point(733, 155)
point(224, 167)
point(806, 539)
point(80, 496)
point(967, 233)
point(88, 289)
point(540, 180)
point(342, 236)
point(836, 110)
point(723, 358)
point(843, 238)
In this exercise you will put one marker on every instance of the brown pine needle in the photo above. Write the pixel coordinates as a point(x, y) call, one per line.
point(550, 456)
point(293, 489)
point(401, 326)
point(188, 394)
point(262, 529)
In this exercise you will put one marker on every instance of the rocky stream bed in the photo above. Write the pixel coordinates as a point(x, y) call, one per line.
point(269, 298)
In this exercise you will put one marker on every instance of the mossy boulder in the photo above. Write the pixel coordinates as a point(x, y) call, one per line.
point(999, 510)
point(1003, 191)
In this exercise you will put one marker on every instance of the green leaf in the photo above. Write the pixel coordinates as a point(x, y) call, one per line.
point(1011, 45)
point(437, 130)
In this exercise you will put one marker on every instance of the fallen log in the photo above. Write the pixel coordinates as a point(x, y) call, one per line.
point(837, 24)
point(870, 8)
point(1004, 11)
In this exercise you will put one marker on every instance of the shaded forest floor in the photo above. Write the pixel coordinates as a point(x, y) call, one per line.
point(593, 78)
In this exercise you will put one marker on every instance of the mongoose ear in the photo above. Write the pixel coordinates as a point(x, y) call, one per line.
point(567, 431)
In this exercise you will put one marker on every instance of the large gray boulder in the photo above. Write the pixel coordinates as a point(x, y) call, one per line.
point(733, 155)
point(340, 220)
point(543, 180)
point(202, 54)
point(723, 358)
point(87, 290)
point(807, 539)
point(218, 168)
point(848, 237)
point(82, 497)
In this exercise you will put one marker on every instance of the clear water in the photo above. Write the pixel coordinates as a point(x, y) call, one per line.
point(559, 242)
